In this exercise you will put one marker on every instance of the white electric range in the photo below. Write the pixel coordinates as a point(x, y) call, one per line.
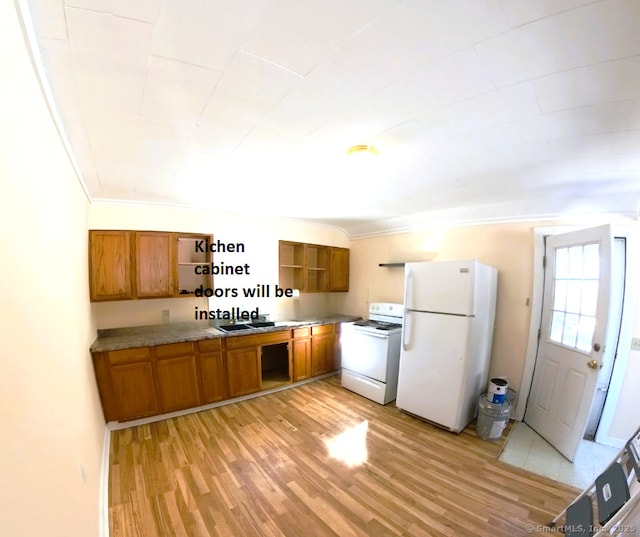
point(371, 353)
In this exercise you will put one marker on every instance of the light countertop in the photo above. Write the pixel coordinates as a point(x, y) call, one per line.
point(112, 339)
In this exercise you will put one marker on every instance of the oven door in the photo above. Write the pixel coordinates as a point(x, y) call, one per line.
point(365, 352)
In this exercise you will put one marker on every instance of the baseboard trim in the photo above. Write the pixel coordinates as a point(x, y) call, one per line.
point(118, 425)
point(103, 495)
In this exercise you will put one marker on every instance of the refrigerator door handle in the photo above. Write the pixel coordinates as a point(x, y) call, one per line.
point(406, 328)
point(407, 286)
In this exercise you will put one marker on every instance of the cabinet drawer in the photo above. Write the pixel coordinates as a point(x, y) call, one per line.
point(209, 345)
point(173, 349)
point(301, 332)
point(322, 329)
point(257, 339)
point(129, 355)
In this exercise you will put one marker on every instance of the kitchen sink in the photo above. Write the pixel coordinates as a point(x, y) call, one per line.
point(245, 326)
point(261, 324)
point(234, 327)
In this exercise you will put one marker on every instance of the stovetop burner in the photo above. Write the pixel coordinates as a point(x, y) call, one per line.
point(378, 325)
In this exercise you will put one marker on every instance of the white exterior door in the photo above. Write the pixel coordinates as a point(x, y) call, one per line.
point(574, 324)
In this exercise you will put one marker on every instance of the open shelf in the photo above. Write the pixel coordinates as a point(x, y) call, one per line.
point(313, 268)
point(291, 263)
point(317, 258)
point(188, 260)
point(275, 365)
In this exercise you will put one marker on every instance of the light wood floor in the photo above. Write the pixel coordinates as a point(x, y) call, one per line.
point(261, 467)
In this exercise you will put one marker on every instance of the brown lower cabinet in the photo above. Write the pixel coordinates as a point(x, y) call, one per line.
point(243, 368)
point(127, 385)
point(244, 363)
point(212, 371)
point(134, 390)
point(177, 377)
point(301, 354)
point(147, 381)
point(323, 356)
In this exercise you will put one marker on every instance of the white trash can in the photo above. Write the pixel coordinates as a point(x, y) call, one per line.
point(492, 418)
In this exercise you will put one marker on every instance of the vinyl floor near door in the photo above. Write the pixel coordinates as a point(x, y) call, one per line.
point(263, 467)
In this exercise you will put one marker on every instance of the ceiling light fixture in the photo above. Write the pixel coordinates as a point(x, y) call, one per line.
point(362, 149)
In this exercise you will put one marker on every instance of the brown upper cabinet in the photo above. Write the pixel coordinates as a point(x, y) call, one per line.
point(125, 265)
point(110, 274)
point(339, 269)
point(313, 268)
point(154, 264)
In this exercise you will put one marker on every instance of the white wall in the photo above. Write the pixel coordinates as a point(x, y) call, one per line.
point(52, 426)
point(625, 415)
point(260, 237)
point(508, 247)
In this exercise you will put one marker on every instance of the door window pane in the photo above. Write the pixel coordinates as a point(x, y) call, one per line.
point(575, 296)
point(557, 324)
point(574, 293)
point(560, 295)
point(570, 332)
point(562, 263)
point(591, 262)
point(585, 333)
point(576, 262)
point(589, 297)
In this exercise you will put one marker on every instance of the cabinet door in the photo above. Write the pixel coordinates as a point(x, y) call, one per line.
point(213, 379)
point(301, 354)
point(178, 383)
point(339, 269)
point(243, 368)
point(103, 378)
point(154, 264)
point(134, 390)
point(110, 265)
point(322, 354)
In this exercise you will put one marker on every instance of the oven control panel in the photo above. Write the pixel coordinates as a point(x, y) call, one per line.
point(386, 308)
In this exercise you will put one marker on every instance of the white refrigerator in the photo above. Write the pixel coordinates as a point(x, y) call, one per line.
point(446, 340)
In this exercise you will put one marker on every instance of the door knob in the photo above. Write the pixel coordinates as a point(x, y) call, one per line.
point(596, 347)
point(593, 364)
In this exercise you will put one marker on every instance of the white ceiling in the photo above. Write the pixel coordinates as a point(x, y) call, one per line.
point(482, 110)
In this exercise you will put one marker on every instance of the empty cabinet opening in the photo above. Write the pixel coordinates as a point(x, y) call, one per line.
point(275, 365)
